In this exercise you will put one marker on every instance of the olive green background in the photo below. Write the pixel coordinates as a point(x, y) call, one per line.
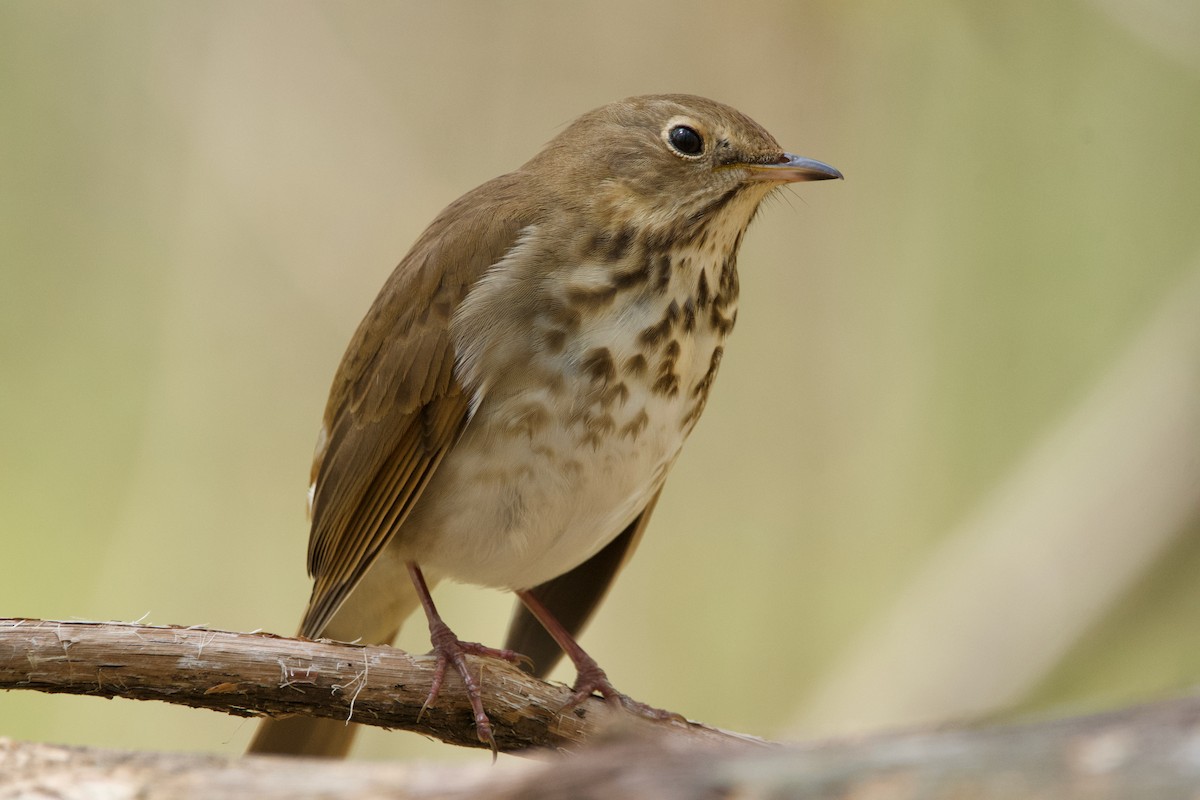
point(951, 467)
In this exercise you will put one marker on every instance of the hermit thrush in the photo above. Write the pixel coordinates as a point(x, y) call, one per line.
point(508, 410)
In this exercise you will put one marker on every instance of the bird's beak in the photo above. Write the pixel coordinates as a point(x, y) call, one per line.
point(793, 169)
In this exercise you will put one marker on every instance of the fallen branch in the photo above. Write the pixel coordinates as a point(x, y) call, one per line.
point(1146, 752)
point(259, 674)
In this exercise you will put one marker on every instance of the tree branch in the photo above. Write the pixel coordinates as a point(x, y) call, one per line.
point(260, 674)
point(1146, 752)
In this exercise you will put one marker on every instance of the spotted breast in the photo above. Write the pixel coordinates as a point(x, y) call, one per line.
point(582, 403)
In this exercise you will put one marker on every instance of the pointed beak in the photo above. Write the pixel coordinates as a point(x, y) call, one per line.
point(793, 169)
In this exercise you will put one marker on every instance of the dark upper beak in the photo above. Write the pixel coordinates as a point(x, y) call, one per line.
point(792, 169)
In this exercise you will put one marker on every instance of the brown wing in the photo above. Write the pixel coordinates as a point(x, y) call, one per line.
point(573, 597)
point(395, 407)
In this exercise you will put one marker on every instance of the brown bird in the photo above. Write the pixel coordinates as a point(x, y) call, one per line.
point(509, 408)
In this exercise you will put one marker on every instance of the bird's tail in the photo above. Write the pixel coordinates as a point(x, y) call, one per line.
point(370, 615)
point(303, 736)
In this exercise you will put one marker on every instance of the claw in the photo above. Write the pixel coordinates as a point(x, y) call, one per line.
point(449, 649)
point(590, 678)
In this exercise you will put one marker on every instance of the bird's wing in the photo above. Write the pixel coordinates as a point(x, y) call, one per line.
point(573, 596)
point(396, 407)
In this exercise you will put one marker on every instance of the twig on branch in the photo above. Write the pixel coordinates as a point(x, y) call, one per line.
point(259, 674)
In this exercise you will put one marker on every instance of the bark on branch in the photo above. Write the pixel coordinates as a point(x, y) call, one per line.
point(259, 674)
point(1146, 752)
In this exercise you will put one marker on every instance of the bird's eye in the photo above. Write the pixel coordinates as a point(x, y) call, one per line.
point(685, 140)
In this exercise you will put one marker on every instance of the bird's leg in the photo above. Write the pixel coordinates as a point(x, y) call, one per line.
point(590, 677)
point(449, 649)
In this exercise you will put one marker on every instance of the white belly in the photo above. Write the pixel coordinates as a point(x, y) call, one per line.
point(525, 509)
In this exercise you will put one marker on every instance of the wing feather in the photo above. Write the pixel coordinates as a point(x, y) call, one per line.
point(396, 408)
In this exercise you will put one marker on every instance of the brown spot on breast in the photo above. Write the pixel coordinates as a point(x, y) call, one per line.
point(596, 428)
point(721, 323)
point(703, 295)
point(601, 424)
point(692, 416)
point(598, 364)
point(689, 316)
point(597, 244)
point(527, 419)
point(617, 392)
point(610, 245)
point(636, 425)
point(637, 275)
point(555, 340)
point(619, 245)
point(661, 268)
point(672, 312)
point(667, 382)
point(636, 365)
point(544, 451)
point(656, 333)
point(729, 277)
point(554, 381)
point(563, 316)
point(702, 386)
point(658, 239)
point(700, 391)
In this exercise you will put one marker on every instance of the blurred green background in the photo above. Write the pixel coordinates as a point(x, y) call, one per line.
point(951, 468)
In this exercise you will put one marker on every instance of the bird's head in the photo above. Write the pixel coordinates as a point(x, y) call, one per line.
point(668, 160)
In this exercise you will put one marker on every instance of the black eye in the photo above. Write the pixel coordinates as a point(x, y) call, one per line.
point(686, 140)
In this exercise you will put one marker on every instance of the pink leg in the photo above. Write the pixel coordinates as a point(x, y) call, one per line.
point(449, 649)
point(590, 678)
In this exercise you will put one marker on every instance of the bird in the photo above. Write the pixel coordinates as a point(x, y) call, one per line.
point(507, 411)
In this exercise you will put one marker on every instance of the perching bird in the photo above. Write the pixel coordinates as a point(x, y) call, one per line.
point(509, 408)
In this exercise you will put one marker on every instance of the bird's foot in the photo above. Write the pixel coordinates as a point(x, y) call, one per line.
point(449, 649)
point(592, 680)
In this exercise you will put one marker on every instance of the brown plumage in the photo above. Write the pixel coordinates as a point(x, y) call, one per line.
point(507, 411)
